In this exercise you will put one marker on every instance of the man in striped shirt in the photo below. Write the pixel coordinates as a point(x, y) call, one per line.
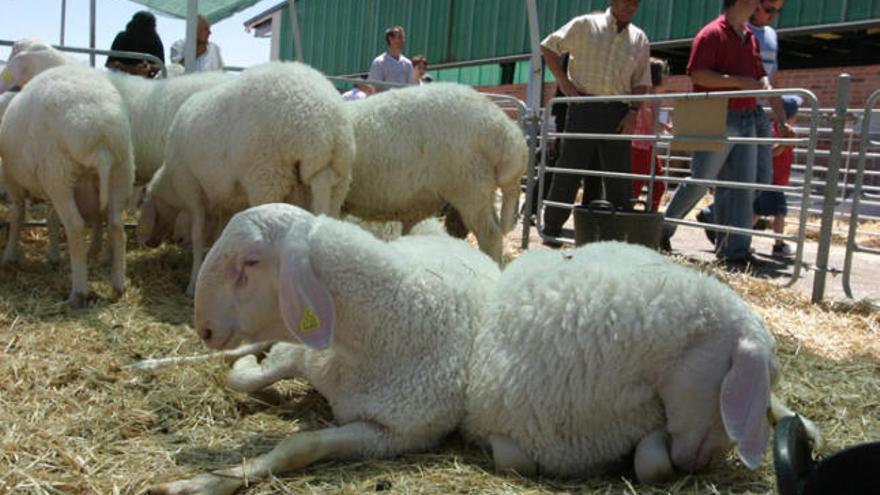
point(608, 56)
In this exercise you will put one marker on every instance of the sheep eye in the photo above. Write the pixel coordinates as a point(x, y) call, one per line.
point(251, 262)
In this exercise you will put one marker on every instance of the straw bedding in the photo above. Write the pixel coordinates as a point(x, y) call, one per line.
point(76, 420)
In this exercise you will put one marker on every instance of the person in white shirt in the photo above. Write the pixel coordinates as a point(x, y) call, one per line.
point(392, 65)
point(207, 53)
point(358, 92)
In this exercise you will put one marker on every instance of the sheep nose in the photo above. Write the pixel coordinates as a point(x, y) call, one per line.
point(205, 332)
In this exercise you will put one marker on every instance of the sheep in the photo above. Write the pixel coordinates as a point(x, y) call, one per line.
point(65, 137)
point(276, 133)
point(395, 321)
point(152, 105)
point(591, 354)
point(28, 58)
point(420, 147)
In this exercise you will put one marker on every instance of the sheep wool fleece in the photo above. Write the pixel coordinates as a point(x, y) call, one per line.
point(567, 365)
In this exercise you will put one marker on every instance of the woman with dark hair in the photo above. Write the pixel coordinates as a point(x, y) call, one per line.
point(139, 36)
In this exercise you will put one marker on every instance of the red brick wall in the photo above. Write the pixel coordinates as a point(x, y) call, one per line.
point(823, 82)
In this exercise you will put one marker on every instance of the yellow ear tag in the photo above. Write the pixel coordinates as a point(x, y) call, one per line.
point(309, 321)
point(7, 77)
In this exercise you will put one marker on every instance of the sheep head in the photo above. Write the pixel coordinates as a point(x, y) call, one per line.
point(28, 59)
point(257, 282)
point(718, 397)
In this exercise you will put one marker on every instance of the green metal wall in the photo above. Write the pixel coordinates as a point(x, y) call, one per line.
point(343, 36)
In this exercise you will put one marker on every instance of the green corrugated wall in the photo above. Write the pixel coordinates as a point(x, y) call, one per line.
point(343, 36)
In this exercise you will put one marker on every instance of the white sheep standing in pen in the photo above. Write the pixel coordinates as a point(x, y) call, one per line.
point(593, 353)
point(395, 322)
point(421, 147)
point(21, 69)
point(152, 105)
point(274, 134)
point(65, 137)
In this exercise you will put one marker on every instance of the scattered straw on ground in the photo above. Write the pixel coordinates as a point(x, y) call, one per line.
point(76, 421)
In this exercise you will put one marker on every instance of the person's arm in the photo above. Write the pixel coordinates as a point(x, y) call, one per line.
point(376, 72)
point(553, 46)
point(712, 79)
point(554, 63)
point(628, 124)
point(640, 81)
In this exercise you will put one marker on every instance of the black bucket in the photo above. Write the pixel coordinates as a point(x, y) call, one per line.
point(601, 221)
point(853, 470)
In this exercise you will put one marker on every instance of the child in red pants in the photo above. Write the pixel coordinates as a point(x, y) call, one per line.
point(640, 154)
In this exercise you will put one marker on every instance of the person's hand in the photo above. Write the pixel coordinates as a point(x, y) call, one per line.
point(628, 124)
point(568, 88)
point(786, 130)
point(141, 69)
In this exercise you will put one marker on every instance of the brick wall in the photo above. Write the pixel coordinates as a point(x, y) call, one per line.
point(822, 82)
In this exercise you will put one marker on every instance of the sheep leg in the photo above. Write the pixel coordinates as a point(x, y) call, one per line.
point(75, 227)
point(16, 219)
point(652, 462)
point(295, 452)
point(54, 232)
point(283, 361)
point(779, 410)
point(95, 247)
point(116, 235)
point(484, 224)
point(197, 217)
point(321, 188)
point(508, 456)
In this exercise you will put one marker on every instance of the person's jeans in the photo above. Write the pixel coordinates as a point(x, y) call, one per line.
point(733, 207)
point(765, 151)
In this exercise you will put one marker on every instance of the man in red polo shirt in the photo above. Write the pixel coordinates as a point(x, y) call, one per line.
point(725, 57)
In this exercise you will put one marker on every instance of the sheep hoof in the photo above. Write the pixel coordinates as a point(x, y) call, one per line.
point(652, 463)
point(203, 484)
point(78, 300)
point(117, 294)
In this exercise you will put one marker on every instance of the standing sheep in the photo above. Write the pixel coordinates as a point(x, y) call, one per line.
point(28, 58)
point(274, 134)
point(421, 147)
point(66, 138)
point(593, 353)
point(152, 105)
point(395, 322)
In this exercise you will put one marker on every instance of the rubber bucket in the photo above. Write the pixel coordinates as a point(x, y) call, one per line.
point(601, 221)
point(853, 470)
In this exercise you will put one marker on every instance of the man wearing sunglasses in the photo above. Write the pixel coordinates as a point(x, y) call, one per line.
point(760, 24)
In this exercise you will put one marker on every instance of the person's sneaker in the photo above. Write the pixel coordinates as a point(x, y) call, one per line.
point(552, 244)
point(703, 218)
point(782, 249)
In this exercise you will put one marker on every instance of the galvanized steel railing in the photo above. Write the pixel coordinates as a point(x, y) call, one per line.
point(852, 246)
point(803, 190)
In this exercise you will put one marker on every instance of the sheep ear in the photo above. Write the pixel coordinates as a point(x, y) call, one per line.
point(745, 397)
point(10, 75)
point(305, 302)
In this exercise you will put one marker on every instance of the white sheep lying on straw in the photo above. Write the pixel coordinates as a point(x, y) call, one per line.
point(420, 147)
point(66, 138)
point(395, 322)
point(594, 353)
point(275, 133)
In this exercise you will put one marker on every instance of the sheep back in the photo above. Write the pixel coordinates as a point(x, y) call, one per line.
point(568, 363)
point(418, 147)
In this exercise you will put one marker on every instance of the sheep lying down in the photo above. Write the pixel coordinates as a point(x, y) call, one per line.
point(610, 350)
point(382, 329)
point(593, 353)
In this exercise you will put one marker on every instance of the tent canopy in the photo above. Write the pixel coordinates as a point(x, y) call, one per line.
point(213, 10)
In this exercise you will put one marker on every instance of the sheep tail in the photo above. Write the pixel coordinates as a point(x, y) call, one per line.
point(103, 159)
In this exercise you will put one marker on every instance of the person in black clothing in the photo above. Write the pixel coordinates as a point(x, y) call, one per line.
point(139, 36)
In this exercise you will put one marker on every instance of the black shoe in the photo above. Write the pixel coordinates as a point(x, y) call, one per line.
point(665, 244)
point(744, 264)
point(552, 244)
point(703, 218)
point(792, 459)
